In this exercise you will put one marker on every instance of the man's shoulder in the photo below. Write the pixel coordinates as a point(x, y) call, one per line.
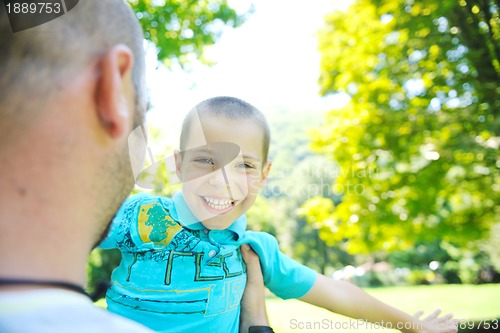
point(104, 321)
point(59, 311)
point(98, 320)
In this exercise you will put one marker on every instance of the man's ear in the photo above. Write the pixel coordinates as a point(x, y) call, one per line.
point(114, 87)
point(265, 172)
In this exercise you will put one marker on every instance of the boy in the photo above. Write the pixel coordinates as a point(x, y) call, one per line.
point(181, 268)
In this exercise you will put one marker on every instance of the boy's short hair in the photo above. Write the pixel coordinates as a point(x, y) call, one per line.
point(230, 108)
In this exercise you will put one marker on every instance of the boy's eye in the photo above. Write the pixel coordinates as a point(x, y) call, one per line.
point(247, 166)
point(203, 160)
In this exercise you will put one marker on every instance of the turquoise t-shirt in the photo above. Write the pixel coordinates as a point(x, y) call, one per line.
point(178, 276)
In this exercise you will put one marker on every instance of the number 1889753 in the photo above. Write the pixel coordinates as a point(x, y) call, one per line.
point(34, 8)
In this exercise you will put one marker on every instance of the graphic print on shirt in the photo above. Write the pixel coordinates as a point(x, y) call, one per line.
point(155, 225)
point(180, 269)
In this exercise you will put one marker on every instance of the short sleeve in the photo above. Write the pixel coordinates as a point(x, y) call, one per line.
point(121, 222)
point(285, 277)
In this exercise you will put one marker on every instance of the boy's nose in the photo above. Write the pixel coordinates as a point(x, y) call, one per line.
point(217, 178)
point(220, 180)
point(230, 183)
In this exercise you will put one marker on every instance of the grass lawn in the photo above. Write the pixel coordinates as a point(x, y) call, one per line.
point(468, 302)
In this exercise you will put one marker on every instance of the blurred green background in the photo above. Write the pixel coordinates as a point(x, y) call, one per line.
point(399, 187)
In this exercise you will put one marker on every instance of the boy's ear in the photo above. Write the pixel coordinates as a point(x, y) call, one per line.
point(178, 163)
point(114, 89)
point(265, 171)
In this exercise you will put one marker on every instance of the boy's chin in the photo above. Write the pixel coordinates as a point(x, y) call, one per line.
point(215, 223)
point(214, 226)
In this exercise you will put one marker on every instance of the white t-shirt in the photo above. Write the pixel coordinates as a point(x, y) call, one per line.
point(58, 311)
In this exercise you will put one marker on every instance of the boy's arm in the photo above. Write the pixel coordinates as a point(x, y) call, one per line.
point(347, 299)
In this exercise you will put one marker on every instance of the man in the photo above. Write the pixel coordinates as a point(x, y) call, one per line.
point(71, 91)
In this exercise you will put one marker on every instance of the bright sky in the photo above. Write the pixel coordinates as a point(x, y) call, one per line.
point(271, 61)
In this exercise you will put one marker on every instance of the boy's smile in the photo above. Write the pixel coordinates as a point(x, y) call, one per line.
point(219, 205)
point(222, 169)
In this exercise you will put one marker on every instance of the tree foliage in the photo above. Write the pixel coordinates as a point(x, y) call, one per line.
point(181, 29)
point(296, 175)
point(418, 142)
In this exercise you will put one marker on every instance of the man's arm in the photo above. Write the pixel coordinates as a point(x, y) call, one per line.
point(347, 299)
point(253, 306)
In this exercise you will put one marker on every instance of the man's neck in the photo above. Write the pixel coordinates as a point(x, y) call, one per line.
point(38, 240)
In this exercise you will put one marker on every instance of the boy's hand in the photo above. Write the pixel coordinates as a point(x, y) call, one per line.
point(435, 324)
point(253, 306)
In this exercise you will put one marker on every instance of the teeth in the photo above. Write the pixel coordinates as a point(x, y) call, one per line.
point(218, 203)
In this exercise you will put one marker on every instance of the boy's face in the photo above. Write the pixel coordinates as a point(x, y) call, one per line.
point(222, 168)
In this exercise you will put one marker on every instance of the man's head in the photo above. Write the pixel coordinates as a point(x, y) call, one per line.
point(72, 90)
point(223, 159)
point(36, 63)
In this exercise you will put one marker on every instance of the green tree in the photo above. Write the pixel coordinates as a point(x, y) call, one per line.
point(181, 30)
point(418, 142)
point(296, 175)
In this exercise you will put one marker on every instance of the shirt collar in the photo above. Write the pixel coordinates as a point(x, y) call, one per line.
point(185, 217)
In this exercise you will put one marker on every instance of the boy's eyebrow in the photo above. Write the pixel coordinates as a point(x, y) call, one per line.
point(202, 150)
point(207, 150)
point(251, 157)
